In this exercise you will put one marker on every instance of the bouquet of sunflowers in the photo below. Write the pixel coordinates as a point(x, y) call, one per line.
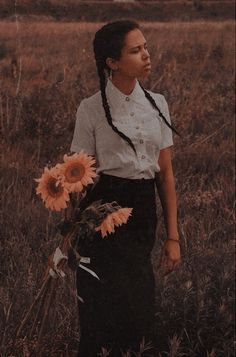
point(63, 187)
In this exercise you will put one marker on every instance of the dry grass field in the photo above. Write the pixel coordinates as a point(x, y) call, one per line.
point(107, 10)
point(46, 68)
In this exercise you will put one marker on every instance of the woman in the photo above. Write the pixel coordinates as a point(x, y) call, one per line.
point(128, 131)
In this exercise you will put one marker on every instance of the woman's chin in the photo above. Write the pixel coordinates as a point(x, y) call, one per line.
point(145, 74)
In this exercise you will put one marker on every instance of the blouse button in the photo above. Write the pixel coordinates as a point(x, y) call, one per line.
point(141, 141)
point(127, 99)
point(143, 157)
point(132, 114)
point(137, 127)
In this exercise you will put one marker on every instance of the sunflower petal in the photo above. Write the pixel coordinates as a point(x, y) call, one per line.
point(77, 171)
point(52, 192)
point(116, 218)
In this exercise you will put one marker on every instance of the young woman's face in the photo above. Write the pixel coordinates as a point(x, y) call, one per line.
point(135, 59)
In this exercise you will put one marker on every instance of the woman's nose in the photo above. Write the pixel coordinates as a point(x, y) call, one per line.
point(145, 54)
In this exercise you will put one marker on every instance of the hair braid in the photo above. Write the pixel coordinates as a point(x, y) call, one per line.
point(106, 107)
point(152, 101)
point(108, 42)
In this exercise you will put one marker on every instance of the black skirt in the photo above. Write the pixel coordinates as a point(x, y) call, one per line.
point(119, 309)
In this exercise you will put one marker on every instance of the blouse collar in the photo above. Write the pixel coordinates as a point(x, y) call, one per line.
point(116, 97)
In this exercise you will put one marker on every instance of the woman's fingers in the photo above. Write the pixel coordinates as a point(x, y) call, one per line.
point(177, 263)
point(166, 263)
point(171, 265)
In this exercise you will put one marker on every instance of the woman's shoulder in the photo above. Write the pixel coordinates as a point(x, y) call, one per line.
point(160, 101)
point(90, 108)
point(93, 102)
point(156, 96)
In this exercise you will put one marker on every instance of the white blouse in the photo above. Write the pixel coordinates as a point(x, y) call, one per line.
point(136, 118)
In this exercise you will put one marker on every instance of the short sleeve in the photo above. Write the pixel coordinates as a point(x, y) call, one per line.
point(166, 132)
point(83, 138)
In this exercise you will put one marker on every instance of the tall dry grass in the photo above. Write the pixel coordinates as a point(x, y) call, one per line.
point(46, 69)
point(100, 10)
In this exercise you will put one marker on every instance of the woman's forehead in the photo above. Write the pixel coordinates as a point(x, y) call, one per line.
point(134, 38)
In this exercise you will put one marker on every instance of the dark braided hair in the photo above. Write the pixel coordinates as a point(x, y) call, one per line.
point(152, 101)
point(108, 42)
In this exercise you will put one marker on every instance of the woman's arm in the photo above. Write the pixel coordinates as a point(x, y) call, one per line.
point(166, 190)
point(167, 194)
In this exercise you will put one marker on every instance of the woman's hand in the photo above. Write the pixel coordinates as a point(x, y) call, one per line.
point(170, 256)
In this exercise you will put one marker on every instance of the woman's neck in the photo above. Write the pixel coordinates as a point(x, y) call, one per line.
point(124, 84)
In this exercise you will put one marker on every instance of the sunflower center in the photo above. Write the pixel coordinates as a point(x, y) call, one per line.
point(74, 173)
point(54, 187)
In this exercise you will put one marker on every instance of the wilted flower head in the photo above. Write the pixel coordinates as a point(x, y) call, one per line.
point(52, 191)
point(114, 219)
point(121, 216)
point(77, 171)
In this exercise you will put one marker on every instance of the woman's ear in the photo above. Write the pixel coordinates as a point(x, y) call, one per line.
point(112, 64)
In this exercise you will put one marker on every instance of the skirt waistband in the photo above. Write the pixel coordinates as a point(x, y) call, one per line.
point(116, 179)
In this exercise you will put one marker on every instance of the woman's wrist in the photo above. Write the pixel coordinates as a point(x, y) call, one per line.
point(174, 239)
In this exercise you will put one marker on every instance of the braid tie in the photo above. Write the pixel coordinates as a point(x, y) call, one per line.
point(152, 101)
point(107, 108)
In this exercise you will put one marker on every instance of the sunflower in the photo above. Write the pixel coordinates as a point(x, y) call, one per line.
point(114, 219)
point(51, 189)
point(77, 171)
